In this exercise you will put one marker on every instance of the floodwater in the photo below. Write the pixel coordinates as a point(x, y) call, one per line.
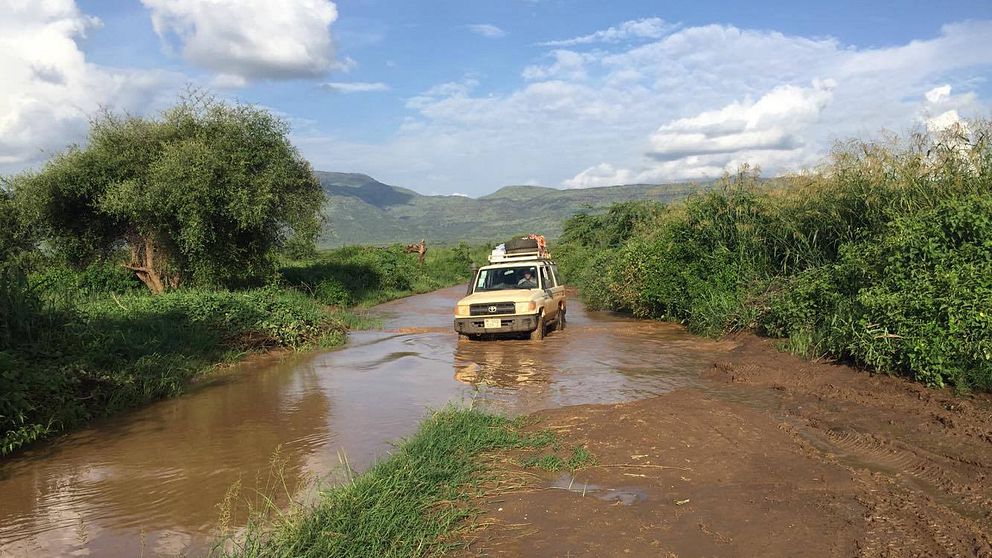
point(154, 482)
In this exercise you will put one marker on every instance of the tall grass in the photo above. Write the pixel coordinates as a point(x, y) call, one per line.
point(409, 505)
point(882, 256)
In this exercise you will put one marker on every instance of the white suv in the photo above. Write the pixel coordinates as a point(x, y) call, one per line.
point(518, 292)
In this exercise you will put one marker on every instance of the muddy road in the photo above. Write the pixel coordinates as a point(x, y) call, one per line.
point(771, 456)
point(154, 482)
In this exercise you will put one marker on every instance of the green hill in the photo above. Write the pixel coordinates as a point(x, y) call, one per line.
point(362, 210)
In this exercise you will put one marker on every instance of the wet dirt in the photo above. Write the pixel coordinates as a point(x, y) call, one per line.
point(153, 482)
point(769, 456)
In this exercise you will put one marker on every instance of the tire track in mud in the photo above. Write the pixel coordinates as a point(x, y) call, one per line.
point(920, 469)
point(901, 523)
point(923, 457)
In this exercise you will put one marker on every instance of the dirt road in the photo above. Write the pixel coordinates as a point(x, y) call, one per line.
point(772, 456)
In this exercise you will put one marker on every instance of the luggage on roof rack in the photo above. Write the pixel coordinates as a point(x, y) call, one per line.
point(519, 249)
point(521, 245)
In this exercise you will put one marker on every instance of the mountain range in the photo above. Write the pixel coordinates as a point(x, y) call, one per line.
point(362, 210)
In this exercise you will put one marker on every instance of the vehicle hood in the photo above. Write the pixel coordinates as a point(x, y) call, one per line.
point(508, 295)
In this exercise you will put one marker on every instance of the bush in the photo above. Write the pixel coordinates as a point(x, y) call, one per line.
point(368, 275)
point(882, 257)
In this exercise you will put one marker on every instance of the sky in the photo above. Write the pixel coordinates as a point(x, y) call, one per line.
point(464, 97)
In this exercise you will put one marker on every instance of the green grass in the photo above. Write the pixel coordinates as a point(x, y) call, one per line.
point(367, 275)
point(411, 504)
point(76, 345)
point(578, 458)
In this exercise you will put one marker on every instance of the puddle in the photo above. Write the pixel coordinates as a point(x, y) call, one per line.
point(626, 496)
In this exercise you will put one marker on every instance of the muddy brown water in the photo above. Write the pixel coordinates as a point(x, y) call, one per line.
point(153, 482)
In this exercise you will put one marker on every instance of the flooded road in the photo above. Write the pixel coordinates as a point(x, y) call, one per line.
point(153, 482)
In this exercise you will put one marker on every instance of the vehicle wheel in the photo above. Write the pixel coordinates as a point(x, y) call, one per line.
point(538, 332)
point(560, 325)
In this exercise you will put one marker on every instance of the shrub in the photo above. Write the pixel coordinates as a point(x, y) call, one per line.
point(881, 257)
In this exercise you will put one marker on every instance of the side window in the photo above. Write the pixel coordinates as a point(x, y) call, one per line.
point(544, 276)
point(554, 273)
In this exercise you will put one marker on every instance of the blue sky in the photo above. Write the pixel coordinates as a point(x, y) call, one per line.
point(450, 97)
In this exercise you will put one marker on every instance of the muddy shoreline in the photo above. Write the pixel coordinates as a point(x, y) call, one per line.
point(774, 456)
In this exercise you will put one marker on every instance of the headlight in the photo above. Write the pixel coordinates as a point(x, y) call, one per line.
point(461, 310)
point(526, 307)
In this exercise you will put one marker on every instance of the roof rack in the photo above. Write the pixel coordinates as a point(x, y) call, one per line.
point(531, 247)
point(504, 257)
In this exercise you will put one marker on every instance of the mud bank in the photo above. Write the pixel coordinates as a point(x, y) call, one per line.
point(773, 456)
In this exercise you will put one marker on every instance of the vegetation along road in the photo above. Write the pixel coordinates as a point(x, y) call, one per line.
point(128, 276)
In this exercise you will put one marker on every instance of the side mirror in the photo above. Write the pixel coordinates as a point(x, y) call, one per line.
point(471, 282)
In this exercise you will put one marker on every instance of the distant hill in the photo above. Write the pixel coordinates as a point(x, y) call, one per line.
point(362, 210)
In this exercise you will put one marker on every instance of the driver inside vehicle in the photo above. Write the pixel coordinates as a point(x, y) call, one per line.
point(528, 281)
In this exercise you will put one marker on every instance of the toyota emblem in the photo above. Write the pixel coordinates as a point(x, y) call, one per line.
point(492, 309)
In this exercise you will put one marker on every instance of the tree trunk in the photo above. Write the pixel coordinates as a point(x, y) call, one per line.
point(147, 262)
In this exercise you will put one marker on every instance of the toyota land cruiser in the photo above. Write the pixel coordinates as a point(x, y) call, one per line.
point(519, 292)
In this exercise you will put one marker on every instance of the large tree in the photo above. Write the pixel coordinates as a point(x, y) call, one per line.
point(205, 193)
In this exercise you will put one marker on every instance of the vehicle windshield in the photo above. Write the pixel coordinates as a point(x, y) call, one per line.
point(504, 278)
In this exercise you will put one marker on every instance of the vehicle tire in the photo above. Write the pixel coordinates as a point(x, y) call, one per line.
point(560, 324)
point(538, 333)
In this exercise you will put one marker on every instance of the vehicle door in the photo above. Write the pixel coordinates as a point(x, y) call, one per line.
point(558, 291)
point(548, 284)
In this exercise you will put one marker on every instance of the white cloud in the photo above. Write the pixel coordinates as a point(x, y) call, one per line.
point(941, 110)
point(487, 30)
point(345, 64)
point(943, 121)
point(647, 28)
point(50, 91)
point(354, 86)
point(936, 94)
point(603, 174)
point(774, 122)
point(689, 105)
point(249, 39)
point(567, 65)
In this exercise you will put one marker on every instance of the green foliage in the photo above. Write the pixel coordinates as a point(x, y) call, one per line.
point(916, 301)
point(881, 257)
point(365, 275)
point(204, 194)
point(17, 235)
point(407, 505)
point(107, 354)
point(703, 249)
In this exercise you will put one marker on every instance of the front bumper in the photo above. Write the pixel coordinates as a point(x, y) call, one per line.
point(508, 324)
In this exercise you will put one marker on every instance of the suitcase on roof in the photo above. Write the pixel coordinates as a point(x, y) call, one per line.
point(521, 245)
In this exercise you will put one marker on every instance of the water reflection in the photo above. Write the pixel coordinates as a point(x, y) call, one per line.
point(160, 473)
point(600, 358)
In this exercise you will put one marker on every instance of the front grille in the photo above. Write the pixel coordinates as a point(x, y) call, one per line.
point(492, 309)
